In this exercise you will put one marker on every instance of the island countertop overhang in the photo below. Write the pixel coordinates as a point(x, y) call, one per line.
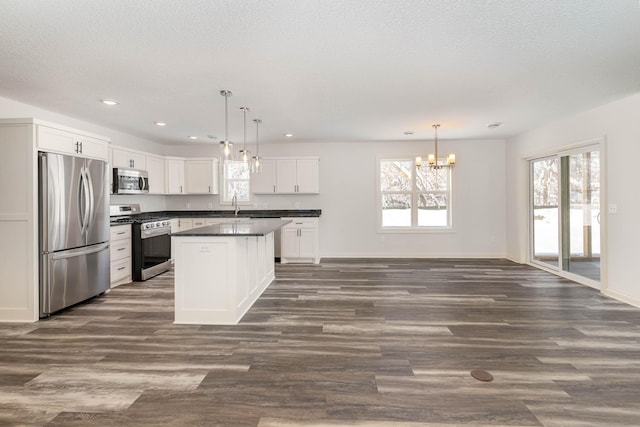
point(240, 228)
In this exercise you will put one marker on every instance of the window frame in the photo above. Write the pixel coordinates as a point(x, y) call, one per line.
point(414, 227)
point(224, 199)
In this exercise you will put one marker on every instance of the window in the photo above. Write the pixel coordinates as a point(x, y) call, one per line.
point(236, 180)
point(413, 197)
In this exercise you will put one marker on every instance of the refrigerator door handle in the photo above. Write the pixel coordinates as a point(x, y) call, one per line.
point(90, 197)
point(72, 253)
point(84, 197)
point(81, 194)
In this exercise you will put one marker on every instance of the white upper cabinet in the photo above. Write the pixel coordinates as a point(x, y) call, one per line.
point(288, 176)
point(128, 159)
point(265, 181)
point(65, 142)
point(157, 175)
point(201, 176)
point(307, 176)
point(175, 176)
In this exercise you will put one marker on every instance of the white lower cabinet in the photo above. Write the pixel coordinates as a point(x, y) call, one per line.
point(183, 224)
point(299, 241)
point(120, 254)
point(219, 278)
point(198, 222)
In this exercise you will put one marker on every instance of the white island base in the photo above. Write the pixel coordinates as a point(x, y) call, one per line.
point(218, 278)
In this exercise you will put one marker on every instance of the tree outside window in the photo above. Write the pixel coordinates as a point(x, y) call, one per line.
point(413, 196)
point(236, 178)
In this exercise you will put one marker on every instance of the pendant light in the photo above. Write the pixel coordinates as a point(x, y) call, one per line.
point(226, 146)
point(256, 164)
point(244, 153)
point(432, 159)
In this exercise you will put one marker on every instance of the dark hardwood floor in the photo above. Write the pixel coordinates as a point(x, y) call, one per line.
point(345, 343)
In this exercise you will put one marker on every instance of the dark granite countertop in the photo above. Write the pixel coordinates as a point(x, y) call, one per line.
point(244, 213)
point(114, 223)
point(239, 228)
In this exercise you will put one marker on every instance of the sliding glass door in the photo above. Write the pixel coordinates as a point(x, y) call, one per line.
point(545, 208)
point(565, 207)
point(581, 214)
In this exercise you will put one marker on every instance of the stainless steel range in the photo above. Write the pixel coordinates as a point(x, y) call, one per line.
point(150, 240)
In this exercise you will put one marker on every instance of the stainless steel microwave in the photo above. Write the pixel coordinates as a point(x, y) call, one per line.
point(130, 181)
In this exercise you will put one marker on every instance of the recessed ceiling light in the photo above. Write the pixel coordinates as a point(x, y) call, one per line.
point(408, 132)
point(193, 137)
point(110, 102)
point(288, 135)
point(160, 123)
point(494, 125)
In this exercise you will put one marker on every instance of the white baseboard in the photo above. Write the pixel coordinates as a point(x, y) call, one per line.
point(622, 297)
point(499, 255)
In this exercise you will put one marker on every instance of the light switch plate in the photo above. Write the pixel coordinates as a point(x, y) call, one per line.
point(613, 209)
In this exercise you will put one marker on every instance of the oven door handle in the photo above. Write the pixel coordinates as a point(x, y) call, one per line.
point(145, 234)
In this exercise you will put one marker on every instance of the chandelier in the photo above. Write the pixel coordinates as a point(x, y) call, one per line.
point(432, 159)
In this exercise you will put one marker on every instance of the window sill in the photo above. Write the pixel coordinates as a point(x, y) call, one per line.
point(416, 230)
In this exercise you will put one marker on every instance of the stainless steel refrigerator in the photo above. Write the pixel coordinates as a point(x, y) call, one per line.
point(74, 230)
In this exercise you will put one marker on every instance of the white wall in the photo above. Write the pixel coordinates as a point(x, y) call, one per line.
point(348, 198)
point(619, 121)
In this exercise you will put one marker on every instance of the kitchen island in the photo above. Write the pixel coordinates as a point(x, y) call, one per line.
point(222, 269)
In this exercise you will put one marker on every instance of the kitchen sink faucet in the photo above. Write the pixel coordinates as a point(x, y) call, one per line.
point(234, 202)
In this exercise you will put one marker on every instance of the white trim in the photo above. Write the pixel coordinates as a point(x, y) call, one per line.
point(416, 230)
point(553, 151)
point(566, 275)
point(450, 228)
point(622, 297)
point(222, 200)
point(599, 144)
point(418, 255)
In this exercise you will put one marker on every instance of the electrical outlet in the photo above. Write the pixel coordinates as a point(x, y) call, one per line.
point(188, 205)
point(210, 205)
point(613, 209)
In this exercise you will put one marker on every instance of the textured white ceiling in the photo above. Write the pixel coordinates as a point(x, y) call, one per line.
point(324, 70)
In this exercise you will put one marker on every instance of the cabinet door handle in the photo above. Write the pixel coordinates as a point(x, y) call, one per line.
point(274, 188)
point(120, 233)
point(121, 249)
point(209, 189)
point(77, 146)
point(121, 268)
point(181, 188)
